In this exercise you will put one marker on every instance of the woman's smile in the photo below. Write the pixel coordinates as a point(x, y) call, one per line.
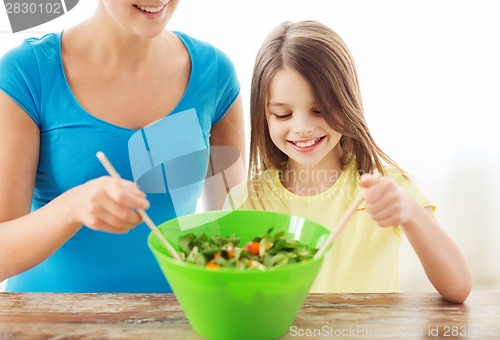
point(152, 12)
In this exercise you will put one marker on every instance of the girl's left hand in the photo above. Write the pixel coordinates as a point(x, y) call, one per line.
point(386, 201)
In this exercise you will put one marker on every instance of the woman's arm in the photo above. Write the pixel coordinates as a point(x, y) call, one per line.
point(441, 259)
point(26, 239)
point(228, 132)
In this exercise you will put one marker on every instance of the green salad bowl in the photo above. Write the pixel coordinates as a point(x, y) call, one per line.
point(229, 303)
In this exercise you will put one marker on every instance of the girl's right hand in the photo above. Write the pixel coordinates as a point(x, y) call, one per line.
point(109, 204)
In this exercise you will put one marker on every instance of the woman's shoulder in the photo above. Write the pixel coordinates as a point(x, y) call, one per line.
point(49, 39)
point(189, 39)
point(30, 47)
point(195, 42)
point(203, 48)
point(22, 69)
point(47, 42)
point(31, 56)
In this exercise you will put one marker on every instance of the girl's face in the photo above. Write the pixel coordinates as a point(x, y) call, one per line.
point(296, 126)
point(146, 18)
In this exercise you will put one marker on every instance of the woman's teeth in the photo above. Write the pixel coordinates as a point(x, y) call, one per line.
point(150, 9)
point(308, 143)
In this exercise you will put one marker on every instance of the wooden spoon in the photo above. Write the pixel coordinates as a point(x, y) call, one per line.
point(113, 173)
point(342, 223)
point(347, 215)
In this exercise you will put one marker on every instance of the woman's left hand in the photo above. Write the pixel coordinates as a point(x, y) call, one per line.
point(386, 201)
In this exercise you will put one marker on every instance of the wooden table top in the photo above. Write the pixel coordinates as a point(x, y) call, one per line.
point(159, 316)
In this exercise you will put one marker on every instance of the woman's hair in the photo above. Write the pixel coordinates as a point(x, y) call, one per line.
point(317, 53)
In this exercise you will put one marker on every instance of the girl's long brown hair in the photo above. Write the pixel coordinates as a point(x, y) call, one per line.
point(322, 58)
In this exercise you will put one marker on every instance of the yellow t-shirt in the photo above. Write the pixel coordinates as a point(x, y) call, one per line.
point(364, 257)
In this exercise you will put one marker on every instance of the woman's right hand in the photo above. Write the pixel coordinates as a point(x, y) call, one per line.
point(109, 204)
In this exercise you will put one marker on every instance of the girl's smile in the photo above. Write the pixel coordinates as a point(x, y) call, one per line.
point(306, 145)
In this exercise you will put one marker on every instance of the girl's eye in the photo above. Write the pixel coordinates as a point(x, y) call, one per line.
point(317, 112)
point(282, 116)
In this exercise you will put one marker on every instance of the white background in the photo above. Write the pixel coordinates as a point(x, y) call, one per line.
point(430, 79)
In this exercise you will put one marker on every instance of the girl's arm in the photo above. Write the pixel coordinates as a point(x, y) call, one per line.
point(26, 238)
point(441, 259)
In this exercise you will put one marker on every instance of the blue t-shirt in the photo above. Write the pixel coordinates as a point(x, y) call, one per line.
point(32, 74)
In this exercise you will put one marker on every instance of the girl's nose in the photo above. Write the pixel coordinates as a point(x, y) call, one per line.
point(303, 131)
point(302, 125)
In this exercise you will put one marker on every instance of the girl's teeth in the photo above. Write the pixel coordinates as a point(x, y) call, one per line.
point(307, 144)
point(150, 9)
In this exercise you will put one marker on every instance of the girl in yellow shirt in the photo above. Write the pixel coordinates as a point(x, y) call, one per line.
point(309, 144)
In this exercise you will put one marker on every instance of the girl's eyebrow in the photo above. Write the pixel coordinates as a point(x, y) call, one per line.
point(275, 104)
point(279, 104)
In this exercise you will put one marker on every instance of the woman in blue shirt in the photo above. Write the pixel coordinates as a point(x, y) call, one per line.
point(122, 84)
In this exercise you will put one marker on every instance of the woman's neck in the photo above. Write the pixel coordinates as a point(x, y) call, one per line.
point(117, 49)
